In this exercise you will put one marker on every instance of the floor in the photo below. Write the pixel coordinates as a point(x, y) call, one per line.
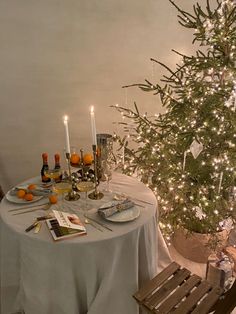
point(196, 268)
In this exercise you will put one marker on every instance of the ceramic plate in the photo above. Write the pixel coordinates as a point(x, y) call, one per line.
point(17, 200)
point(124, 216)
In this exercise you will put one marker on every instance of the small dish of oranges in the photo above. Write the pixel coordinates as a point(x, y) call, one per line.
point(23, 195)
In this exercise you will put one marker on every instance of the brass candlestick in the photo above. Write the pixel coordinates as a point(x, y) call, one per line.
point(95, 195)
point(82, 163)
point(72, 195)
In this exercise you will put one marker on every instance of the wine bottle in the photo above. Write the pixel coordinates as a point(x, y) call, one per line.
point(44, 167)
point(57, 166)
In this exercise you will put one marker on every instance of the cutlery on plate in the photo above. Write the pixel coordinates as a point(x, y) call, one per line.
point(98, 222)
point(32, 210)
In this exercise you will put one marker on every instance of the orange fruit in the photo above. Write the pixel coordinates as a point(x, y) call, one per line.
point(98, 152)
point(31, 187)
point(74, 158)
point(28, 197)
point(88, 159)
point(21, 193)
point(52, 199)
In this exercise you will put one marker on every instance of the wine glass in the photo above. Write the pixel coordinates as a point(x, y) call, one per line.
point(85, 186)
point(107, 172)
point(52, 174)
point(61, 188)
point(108, 166)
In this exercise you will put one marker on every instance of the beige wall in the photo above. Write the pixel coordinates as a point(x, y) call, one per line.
point(61, 56)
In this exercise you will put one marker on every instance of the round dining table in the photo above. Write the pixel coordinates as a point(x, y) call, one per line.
point(96, 273)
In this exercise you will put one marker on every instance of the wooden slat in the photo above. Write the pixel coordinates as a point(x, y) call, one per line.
point(167, 288)
point(187, 305)
point(227, 304)
point(151, 285)
point(178, 295)
point(206, 304)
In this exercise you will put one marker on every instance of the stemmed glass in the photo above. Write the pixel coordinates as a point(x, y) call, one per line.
point(107, 172)
point(62, 188)
point(85, 186)
point(108, 167)
point(52, 174)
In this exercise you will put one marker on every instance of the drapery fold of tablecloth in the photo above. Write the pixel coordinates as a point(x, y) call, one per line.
point(96, 274)
point(84, 280)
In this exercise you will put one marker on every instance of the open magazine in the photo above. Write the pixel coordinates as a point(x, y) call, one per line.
point(65, 225)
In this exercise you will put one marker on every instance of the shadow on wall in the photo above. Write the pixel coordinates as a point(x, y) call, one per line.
point(4, 180)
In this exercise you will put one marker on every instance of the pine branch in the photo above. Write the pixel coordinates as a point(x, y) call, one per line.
point(180, 54)
point(200, 12)
point(209, 9)
point(195, 100)
point(181, 11)
point(133, 85)
point(167, 68)
point(231, 15)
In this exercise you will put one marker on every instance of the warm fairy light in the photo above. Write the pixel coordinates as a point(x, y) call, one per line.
point(202, 105)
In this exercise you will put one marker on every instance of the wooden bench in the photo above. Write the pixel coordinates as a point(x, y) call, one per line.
point(175, 290)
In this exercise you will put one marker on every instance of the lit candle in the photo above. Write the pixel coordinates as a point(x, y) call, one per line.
point(93, 126)
point(67, 134)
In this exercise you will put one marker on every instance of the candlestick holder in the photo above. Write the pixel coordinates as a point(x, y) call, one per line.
point(82, 163)
point(72, 195)
point(95, 195)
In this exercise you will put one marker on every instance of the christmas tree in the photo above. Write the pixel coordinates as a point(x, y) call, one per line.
point(188, 155)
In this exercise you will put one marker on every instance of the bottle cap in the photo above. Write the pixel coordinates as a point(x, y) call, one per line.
point(57, 157)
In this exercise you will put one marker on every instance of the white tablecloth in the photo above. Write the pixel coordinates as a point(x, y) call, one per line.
point(95, 274)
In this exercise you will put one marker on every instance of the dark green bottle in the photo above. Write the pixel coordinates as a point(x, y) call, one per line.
point(44, 167)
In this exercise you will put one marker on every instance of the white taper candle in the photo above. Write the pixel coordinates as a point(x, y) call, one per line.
point(65, 119)
point(93, 126)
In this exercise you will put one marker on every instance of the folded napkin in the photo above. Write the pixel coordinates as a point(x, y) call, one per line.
point(37, 192)
point(115, 207)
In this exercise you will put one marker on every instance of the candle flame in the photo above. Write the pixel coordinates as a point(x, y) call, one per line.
point(92, 109)
point(65, 118)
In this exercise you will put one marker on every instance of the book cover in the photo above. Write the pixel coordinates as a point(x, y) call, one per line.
point(65, 225)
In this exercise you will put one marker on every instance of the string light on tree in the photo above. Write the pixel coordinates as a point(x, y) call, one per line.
point(199, 97)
